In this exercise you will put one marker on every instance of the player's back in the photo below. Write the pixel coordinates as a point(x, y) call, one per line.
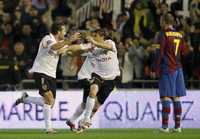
point(171, 47)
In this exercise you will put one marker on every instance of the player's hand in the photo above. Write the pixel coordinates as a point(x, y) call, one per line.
point(62, 50)
point(90, 39)
point(76, 36)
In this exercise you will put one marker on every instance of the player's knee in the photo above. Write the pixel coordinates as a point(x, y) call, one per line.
point(93, 90)
point(48, 98)
point(176, 99)
point(92, 95)
point(49, 101)
point(165, 98)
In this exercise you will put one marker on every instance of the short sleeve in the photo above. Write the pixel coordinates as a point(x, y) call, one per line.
point(87, 45)
point(48, 42)
point(113, 45)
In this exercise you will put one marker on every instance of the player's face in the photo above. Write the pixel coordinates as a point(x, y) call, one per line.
point(62, 33)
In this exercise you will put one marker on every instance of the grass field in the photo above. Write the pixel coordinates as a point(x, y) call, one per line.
point(100, 134)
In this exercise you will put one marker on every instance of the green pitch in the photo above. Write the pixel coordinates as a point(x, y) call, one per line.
point(100, 134)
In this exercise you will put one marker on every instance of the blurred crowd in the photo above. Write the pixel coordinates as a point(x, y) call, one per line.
point(24, 22)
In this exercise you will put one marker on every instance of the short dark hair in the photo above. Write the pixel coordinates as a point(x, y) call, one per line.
point(168, 19)
point(55, 27)
point(104, 32)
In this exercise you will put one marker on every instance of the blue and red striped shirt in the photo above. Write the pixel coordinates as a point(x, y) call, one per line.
point(172, 46)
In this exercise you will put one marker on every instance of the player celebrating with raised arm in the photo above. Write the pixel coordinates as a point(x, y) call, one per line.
point(103, 78)
point(169, 70)
point(44, 70)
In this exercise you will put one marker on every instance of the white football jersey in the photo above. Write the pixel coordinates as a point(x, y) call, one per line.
point(46, 61)
point(106, 62)
point(88, 66)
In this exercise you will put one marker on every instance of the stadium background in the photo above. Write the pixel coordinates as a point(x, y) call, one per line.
point(133, 25)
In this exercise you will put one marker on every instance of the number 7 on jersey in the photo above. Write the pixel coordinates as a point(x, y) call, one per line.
point(177, 44)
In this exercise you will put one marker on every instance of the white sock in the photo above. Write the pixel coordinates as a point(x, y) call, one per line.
point(89, 107)
point(77, 113)
point(47, 116)
point(34, 100)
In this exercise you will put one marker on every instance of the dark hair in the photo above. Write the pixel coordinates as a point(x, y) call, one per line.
point(104, 32)
point(168, 19)
point(56, 27)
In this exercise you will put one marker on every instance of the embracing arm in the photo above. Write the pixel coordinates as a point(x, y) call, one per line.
point(69, 41)
point(100, 44)
point(75, 49)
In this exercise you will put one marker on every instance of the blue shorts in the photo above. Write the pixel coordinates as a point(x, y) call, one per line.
point(172, 85)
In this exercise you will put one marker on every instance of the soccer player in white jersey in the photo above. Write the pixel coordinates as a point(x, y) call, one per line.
point(105, 72)
point(44, 70)
point(84, 76)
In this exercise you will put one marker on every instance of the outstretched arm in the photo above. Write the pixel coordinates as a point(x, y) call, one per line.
point(101, 44)
point(69, 41)
point(75, 49)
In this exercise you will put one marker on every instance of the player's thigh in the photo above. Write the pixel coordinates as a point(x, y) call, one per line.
point(95, 84)
point(53, 87)
point(180, 84)
point(94, 89)
point(105, 91)
point(45, 84)
point(49, 98)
